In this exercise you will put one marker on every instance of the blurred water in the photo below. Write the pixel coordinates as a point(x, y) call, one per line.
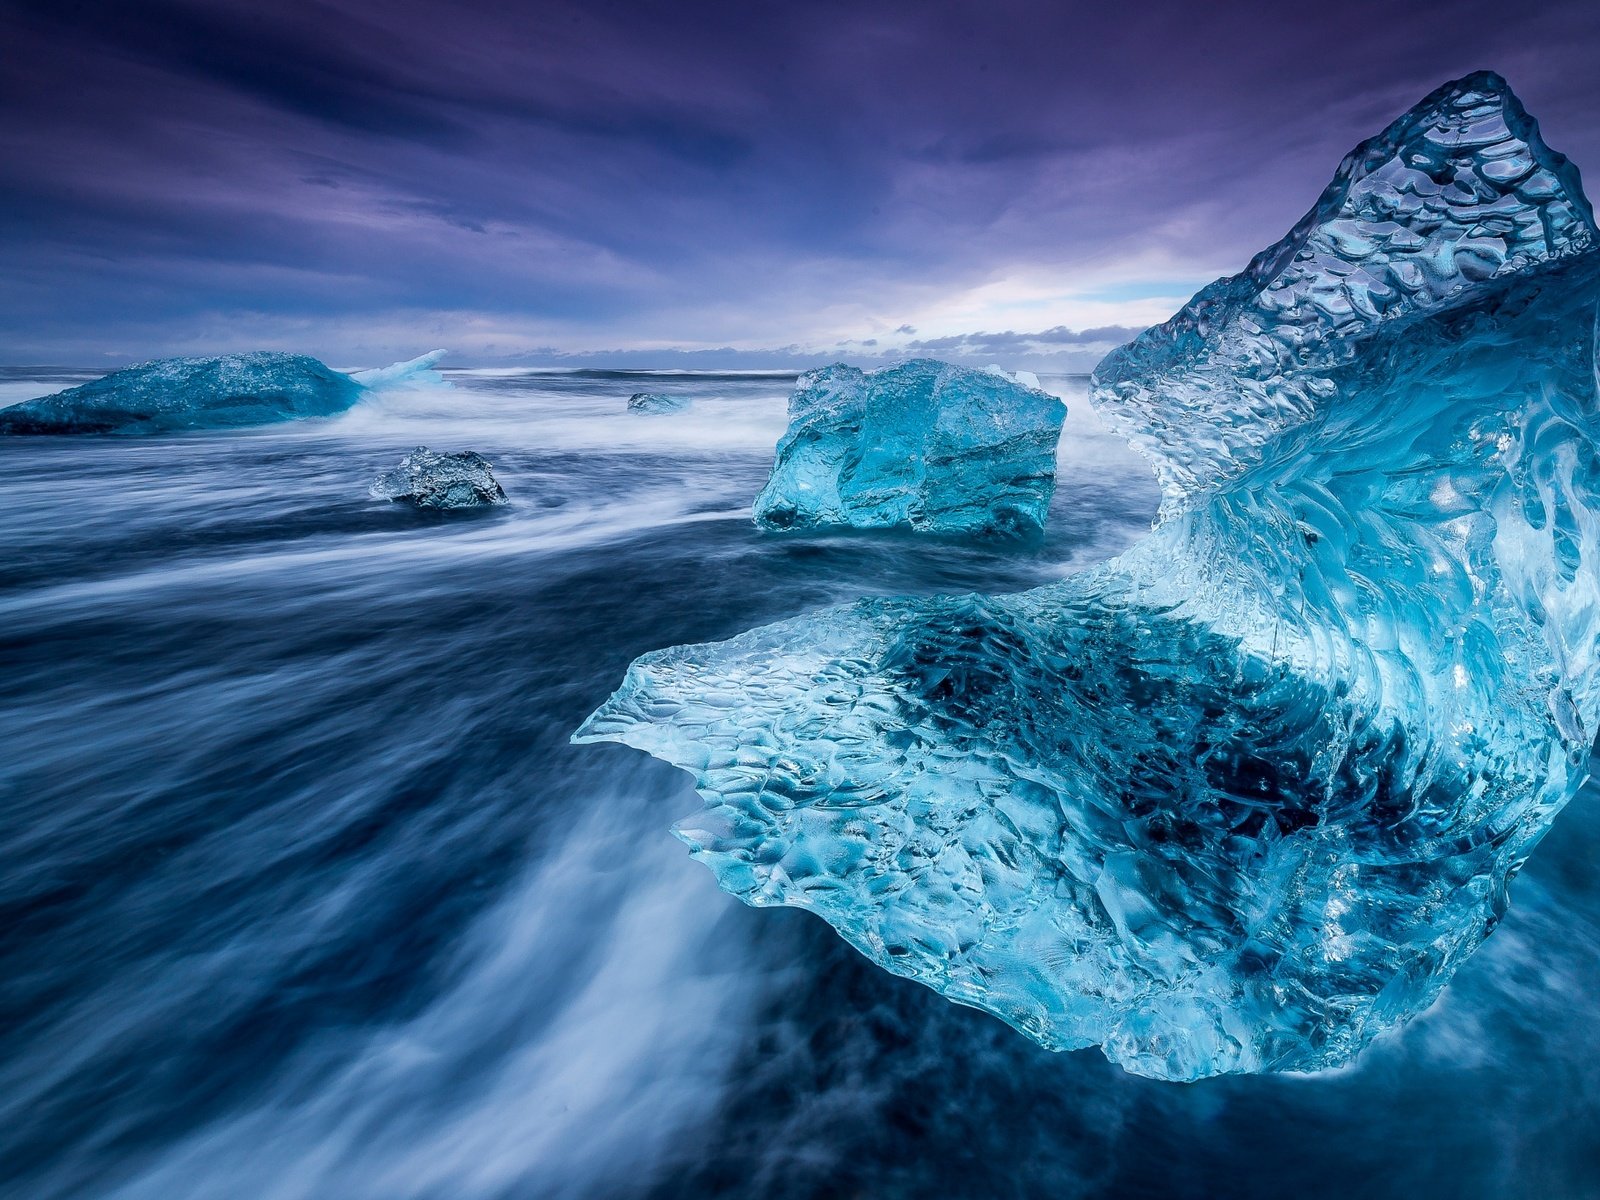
point(303, 893)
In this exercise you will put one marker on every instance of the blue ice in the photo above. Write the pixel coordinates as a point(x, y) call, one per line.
point(922, 445)
point(1252, 792)
point(226, 390)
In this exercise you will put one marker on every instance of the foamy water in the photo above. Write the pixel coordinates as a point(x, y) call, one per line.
point(305, 894)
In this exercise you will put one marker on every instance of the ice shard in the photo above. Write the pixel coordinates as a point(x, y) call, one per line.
point(1250, 793)
point(657, 403)
point(412, 373)
point(207, 393)
point(922, 445)
point(426, 479)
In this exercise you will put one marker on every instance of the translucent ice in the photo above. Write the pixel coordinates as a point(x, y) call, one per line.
point(1026, 378)
point(1250, 793)
point(657, 402)
point(923, 445)
point(1457, 192)
point(441, 481)
point(206, 393)
point(411, 373)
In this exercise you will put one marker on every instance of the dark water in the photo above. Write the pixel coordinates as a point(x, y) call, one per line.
point(303, 893)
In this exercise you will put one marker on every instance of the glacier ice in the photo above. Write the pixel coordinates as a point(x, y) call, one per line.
point(413, 372)
point(657, 402)
point(922, 445)
point(1026, 378)
point(207, 393)
point(1457, 192)
point(441, 481)
point(1250, 793)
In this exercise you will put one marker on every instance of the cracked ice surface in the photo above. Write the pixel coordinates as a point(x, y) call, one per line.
point(1250, 793)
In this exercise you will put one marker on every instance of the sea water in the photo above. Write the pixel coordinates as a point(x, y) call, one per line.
point(303, 892)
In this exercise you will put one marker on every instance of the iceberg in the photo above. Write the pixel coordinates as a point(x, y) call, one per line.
point(657, 402)
point(441, 481)
point(207, 393)
point(1247, 795)
point(922, 445)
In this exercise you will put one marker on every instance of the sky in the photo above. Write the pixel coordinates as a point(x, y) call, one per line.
point(1027, 182)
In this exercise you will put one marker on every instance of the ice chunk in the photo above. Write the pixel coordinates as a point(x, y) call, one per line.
point(1250, 793)
point(415, 372)
point(206, 393)
point(657, 402)
point(1026, 378)
point(441, 481)
point(190, 393)
point(923, 445)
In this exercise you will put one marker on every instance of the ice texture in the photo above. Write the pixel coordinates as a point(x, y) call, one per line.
point(1250, 793)
point(207, 393)
point(657, 402)
point(441, 481)
point(922, 445)
point(1459, 191)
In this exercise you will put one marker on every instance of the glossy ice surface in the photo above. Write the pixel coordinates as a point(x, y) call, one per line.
point(1248, 794)
point(922, 445)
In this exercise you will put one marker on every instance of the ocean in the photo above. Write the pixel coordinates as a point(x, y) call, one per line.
point(304, 894)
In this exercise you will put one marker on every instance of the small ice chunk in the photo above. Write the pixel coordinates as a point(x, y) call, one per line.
point(441, 481)
point(657, 402)
point(415, 372)
point(1026, 378)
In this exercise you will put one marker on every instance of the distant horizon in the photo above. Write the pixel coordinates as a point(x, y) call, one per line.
point(1055, 351)
point(622, 361)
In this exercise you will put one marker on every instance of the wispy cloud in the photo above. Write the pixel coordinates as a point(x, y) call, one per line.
point(623, 177)
point(1009, 342)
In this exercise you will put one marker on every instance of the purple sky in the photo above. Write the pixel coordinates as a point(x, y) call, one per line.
point(364, 180)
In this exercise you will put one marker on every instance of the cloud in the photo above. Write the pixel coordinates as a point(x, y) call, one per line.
point(1009, 342)
point(617, 176)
